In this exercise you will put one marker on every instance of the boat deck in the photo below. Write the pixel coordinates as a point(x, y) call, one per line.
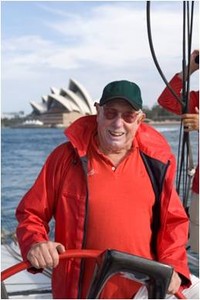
point(24, 284)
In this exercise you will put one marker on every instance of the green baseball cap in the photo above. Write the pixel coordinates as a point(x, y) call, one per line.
point(122, 89)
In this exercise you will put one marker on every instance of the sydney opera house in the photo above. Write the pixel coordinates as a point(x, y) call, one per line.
point(63, 106)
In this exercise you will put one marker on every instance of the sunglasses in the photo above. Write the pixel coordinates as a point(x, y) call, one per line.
point(128, 117)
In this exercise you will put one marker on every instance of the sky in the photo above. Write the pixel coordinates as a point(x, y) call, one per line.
point(45, 43)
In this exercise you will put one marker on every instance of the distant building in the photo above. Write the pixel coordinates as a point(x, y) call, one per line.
point(63, 106)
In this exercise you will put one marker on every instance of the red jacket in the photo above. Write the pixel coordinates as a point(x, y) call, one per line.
point(168, 101)
point(60, 191)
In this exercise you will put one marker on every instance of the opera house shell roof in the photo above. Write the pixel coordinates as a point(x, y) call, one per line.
point(63, 106)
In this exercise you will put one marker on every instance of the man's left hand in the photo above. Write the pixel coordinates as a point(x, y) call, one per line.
point(175, 283)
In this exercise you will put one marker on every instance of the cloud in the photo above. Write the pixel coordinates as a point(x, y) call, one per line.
point(97, 44)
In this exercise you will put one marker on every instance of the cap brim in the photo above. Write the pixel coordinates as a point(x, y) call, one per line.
point(119, 97)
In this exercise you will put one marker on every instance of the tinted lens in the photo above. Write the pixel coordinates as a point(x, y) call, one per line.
point(109, 113)
point(129, 117)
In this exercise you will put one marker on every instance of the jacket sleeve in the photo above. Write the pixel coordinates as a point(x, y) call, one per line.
point(167, 99)
point(169, 102)
point(37, 206)
point(173, 234)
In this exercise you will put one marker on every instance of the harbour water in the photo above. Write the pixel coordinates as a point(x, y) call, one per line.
point(24, 151)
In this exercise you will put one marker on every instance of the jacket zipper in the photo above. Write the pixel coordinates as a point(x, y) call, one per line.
point(84, 165)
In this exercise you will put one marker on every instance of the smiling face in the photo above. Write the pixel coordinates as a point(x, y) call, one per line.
point(117, 125)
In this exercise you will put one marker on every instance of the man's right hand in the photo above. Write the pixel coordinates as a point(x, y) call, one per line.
point(45, 254)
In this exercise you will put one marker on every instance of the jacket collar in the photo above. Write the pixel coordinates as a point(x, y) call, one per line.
point(149, 140)
point(80, 132)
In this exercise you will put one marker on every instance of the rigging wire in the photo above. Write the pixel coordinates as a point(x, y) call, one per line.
point(154, 55)
point(184, 159)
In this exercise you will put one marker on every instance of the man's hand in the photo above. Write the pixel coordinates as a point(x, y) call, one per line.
point(174, 283)
point(45, 254)
point(191, 121)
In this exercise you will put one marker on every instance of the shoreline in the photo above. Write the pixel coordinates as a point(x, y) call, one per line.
point(166, 122)
point(147, 121)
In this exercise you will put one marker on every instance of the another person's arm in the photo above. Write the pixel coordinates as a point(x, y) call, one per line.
point(167, 99)
point(193, 65)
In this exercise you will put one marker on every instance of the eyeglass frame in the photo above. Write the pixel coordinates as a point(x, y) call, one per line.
point(135, 114)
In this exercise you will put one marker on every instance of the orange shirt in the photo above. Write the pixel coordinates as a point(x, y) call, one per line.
point(119, 213)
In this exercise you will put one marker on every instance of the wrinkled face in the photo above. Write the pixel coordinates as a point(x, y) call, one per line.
point(117, 125)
